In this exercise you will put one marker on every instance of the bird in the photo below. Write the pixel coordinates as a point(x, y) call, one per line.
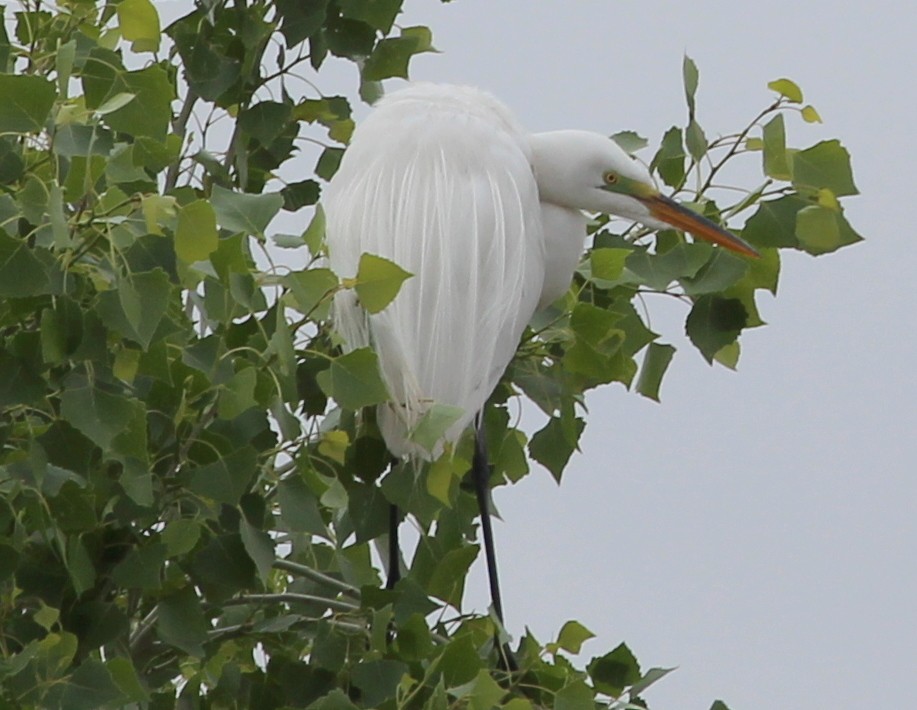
point(490, 221)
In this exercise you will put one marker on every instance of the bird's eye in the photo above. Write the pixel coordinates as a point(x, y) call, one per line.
point(610, 178)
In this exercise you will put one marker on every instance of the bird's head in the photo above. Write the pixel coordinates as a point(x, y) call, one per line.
point(588, 171)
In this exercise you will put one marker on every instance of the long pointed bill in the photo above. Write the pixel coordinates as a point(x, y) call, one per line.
point(682, 218)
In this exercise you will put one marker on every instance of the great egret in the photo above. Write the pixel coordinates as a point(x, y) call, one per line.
point(488, 218)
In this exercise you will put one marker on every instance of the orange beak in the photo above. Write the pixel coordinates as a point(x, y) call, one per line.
point(684, 219)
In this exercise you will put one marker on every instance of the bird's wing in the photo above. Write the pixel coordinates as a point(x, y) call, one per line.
point(438, 180)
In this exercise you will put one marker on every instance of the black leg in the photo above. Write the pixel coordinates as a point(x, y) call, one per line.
point(480, 471)
point(394, 550)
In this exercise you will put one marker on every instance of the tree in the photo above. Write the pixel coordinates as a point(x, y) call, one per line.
point(191, 480)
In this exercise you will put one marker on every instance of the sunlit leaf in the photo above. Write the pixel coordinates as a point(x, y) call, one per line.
point(786, 88)
point(776, 164)
point(378, 281)
point(139, 24)
point(572, 636)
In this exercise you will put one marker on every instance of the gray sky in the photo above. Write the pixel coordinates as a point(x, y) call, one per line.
point(757, 529)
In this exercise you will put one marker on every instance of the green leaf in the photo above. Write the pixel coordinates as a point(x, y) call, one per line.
point(786, 88)
point(89, 687)
point(433, 425)
point(21, 272)
point(353, 380)
point(722, 271)
point(379, 14)
point(392, 56)
point(266, 120)
point(19, 383)
point(150, 113)
point(311, 287)
point(442, 479)
point(79, 565)
point(227, 478)
point(695, 140)
point(315, 232)
point(301, 20)
point(690, 77)
point(241, 212)
point(719, 705)
point(822, 230)
point(669, 160)
point(142, 567)
point(260, 549)
point(681, 262)
point(196, 236)
point(378, 680)
point(378, 281)
point(572, 636)
point(297, 195)
point(630, 141)
point(655, 363)
point(810, 115)
point(328, 163)
point(337, 699)
point(125, 677)
point(139, 24)
point(137, 306)
point(238, 394)
point(484, 693)
point(575, 696)
point(180, 536)
point(715, 322)
point(99, 415)
point(448, 579)
point(348, 38)
point(614, 671)
point(27, 101)
point(607, 263)
point(652, 676)
point(776, 164)
point(554, 444)
point(774, 223)
point(181, 622)
point(824, 165)
point(299, 507)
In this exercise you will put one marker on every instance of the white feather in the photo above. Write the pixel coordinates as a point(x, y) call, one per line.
point(439, 180)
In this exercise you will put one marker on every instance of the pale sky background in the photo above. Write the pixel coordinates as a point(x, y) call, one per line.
point(758, 529)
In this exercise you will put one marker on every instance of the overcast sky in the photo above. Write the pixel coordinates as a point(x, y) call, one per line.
point(758, 529)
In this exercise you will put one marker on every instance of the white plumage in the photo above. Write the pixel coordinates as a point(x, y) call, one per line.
point(442, 181)
point(438, 180)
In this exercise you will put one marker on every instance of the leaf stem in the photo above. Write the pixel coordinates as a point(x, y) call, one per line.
point(315, 576)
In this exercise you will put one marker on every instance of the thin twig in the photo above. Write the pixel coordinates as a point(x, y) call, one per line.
point(179, 126)
point(292, 598)
point(316, 576)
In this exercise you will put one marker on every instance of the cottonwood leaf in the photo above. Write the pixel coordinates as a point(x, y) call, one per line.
point(378, 281)
point(353, 380)
point(715, 322)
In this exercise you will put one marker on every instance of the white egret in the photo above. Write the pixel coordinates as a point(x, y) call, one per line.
point(489, 220)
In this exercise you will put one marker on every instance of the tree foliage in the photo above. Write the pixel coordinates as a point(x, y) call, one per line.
point(191, 480)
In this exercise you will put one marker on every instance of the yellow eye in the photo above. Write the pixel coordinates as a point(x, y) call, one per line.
point(610, 178)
